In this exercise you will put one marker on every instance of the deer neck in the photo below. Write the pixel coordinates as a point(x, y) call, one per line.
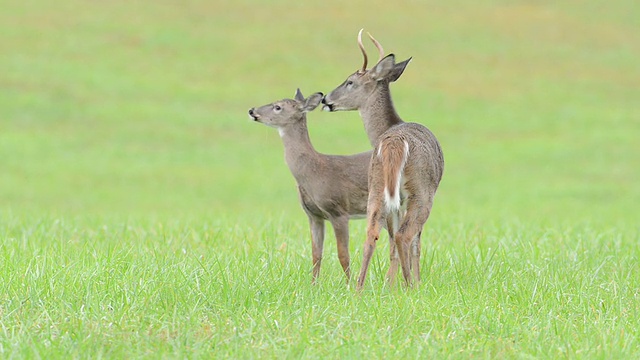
point(298, 150)
point(378, 113)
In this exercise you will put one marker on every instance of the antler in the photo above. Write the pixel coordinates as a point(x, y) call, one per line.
point(377, 44)
point(364, 53)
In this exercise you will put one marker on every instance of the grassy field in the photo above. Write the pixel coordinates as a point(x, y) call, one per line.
point(143, 215)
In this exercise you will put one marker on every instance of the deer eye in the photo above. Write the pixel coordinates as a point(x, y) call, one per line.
point(349, 82)
point(277, 108)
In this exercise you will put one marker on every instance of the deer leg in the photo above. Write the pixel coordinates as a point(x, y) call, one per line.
point(412, 223)
point(415, 257)
point(392, 226)
point(317, 243)
point(374, 213)
point(341, 230)
point(403, 255)
point(416, 247)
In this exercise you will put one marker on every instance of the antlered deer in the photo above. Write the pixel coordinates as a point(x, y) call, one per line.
point(330, 187)
point(406, 167)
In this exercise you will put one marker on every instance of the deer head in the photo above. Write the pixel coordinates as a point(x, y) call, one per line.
point(281, 113)
point(358, 87)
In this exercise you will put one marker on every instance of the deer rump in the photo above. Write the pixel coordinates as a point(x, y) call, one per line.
point(392, 154)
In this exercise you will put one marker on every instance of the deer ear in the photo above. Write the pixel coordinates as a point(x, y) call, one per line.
point(299, 97)
point(383, 68)
point(398, 69)
point(312, 102)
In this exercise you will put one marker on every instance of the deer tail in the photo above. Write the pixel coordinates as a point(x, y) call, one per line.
point(393, 153)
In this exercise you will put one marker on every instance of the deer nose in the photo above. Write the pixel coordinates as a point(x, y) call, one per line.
point(326, 106)
point(252, 114)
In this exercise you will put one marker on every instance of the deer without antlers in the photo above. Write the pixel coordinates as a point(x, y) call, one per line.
point(330, 187)
point(405, 169)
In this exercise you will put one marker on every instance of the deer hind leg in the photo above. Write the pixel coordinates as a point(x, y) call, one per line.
point(415, 257)
point(394, 260)
point(317, 243)
point(375, 213)
point(408, 239)
point(416, 245)
point(341, 230)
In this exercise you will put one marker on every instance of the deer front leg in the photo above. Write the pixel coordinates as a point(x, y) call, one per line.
point(317, 242)
point(392, 226)
point(403, 252)
point(341, 230)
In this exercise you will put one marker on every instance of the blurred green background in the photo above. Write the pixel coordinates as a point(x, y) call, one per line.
point(125, 108)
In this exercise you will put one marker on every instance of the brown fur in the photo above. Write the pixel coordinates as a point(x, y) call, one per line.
point(422, 167)
point(392, 156)
point(331, 188)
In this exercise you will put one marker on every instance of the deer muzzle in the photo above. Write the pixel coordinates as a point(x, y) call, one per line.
point(253, 115)
point(326, 104)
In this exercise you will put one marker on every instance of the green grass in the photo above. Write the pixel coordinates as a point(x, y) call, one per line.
point(78, 288)
point(143, 215)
